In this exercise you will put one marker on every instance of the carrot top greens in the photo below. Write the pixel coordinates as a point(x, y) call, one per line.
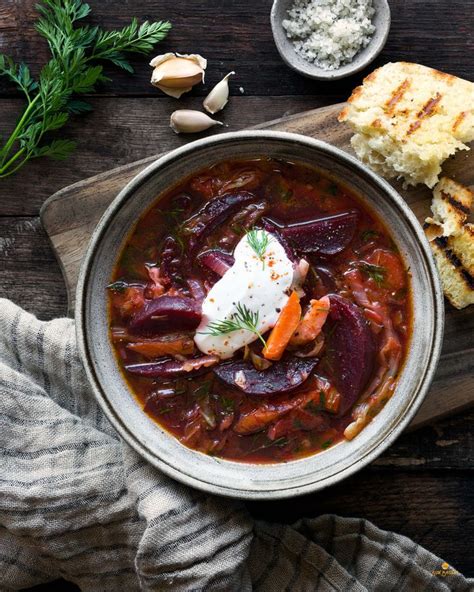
point(73, 70)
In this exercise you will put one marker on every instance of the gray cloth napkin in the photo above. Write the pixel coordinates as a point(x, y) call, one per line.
point(76, 502)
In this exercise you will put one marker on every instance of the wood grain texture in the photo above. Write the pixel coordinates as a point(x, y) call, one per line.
point(29, 272)
point(236, 35)
point(71, 215)
point(123, 130)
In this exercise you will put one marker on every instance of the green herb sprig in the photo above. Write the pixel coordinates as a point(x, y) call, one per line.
point(259, 241)
point(368, 235)
point(244, 318)
point(71, 71)
point(376, 272)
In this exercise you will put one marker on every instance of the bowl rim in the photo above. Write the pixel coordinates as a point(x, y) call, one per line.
point(376, 45)
point(161, 463)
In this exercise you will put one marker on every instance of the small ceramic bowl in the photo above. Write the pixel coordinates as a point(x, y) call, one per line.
point(381, 20)
point(239, 479)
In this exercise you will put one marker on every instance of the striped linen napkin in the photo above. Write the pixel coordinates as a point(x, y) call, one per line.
point(76, 502)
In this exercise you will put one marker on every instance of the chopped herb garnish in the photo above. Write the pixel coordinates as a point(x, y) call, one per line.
point(367, 235)
point(237, 228)
point(259, 241)
point(326, 444)
point(118, 286)
point(333, 189)
point(227, 404)
point(179, 239)
point(280, 442)
point(174, 213)
point(203, 389)
point(244, 319)
point(313, 408)
point(322, 399)
point(376, 272)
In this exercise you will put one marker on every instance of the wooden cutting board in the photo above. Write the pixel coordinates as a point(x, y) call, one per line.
point(70, 215)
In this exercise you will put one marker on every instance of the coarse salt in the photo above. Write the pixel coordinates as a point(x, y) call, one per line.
point(329, 33)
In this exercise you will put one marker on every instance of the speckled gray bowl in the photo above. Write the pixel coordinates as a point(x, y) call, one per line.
point(285, 47)
point(225, 477)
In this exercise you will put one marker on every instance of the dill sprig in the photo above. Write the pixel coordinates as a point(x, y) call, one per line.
point(368, 235)
point(259, 241)
point(71, 71)
point(376, 272)
point(243, 318)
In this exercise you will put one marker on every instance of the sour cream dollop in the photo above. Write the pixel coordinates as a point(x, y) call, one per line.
point(260, 285)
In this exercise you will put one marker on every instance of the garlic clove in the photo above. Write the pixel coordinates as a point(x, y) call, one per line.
point(188, 121)
point(217, 99)
point(176, 74)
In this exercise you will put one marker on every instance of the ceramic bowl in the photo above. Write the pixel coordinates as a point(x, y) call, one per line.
point(237, 479)
point(381, 20)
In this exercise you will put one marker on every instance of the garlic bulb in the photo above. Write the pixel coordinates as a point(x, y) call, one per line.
point(219, 95)
point(187, 121)
point(176, 74)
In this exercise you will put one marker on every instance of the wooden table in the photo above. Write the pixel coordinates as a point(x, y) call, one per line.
point(422, 487)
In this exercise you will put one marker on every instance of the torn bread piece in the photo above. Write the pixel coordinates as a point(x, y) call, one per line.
point(408, 119)
point(451, 205)
point(452, 241)
point(458, 283)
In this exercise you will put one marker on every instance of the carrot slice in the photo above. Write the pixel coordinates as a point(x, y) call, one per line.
point(284, 329)
point(311, 324)
point(157, 348)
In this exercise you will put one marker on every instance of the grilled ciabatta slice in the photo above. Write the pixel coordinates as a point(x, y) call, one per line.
point(451, 205)
point(408, 119)
point(452, 240)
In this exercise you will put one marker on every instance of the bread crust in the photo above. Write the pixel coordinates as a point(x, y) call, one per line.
point(408, 119)
point(452, 240)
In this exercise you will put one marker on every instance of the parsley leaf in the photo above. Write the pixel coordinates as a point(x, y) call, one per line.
point(71, 71)
point(367, 235)
point(376, 272)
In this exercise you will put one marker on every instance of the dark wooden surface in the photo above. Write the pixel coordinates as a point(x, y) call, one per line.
point(422, 486)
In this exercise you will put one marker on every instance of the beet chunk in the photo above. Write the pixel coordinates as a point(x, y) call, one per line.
point(216, 260)
point(212, 215)
point(170, 261)
point(350, 350)
point(327, 236)
point(276, 229)
point(173, 368)
point(166, 312)
point(281, 377)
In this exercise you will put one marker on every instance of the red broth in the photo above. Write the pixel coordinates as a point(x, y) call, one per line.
point(369, 290)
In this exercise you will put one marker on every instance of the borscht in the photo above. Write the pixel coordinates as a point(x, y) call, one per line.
point(260, 312)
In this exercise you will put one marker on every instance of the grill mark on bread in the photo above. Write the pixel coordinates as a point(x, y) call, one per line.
point(459, 119)
point(432, 229)
point(397, 96)
point(442, 243)
point(426, 111)
point(455, 203)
